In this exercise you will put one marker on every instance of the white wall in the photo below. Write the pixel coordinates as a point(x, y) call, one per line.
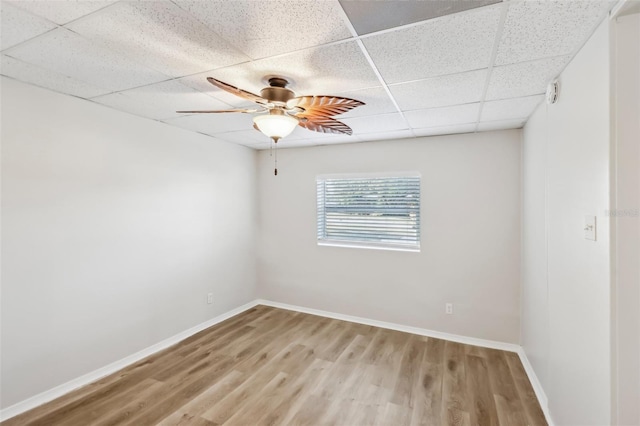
point(535, 292)
point(470, 248)
point(566, 279)
point(626, 223)
point(114, 229)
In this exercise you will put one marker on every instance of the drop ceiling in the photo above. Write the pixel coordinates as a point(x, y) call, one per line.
point(422, 67)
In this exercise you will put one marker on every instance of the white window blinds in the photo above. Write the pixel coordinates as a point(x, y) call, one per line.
point(369, 211)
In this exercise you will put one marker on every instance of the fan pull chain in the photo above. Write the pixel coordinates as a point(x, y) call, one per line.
point(275, 170)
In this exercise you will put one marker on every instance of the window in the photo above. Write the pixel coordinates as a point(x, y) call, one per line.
point(376, 212)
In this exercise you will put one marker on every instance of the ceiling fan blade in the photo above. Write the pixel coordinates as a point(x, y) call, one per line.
point(325, 125)
point(219, 111)
point(238, 92)
point(322, 106)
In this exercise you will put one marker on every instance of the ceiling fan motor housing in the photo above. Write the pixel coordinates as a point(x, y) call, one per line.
point(277, 95)
point(277, 91)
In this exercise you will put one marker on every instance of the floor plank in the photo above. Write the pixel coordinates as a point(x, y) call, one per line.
point(483, 409)
point(271, 366)
point(526, 393)
point(456, 400)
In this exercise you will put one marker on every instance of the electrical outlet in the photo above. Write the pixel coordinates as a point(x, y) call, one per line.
point(210, 298)
point(448, 308)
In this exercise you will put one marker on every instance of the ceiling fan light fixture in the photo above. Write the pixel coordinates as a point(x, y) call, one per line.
point(284, 111)
point(275, 126)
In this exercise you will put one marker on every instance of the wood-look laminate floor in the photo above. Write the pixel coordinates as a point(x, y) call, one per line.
point(270, 366)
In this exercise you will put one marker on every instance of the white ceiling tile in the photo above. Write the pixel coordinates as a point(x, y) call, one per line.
point(125, 103)
point(436, 117)
point(540, 29)
point(160, 35)
point(260, 146)
point(302, 133)
point(376, 101)
point(376, 123)
point(378, 136)
point(266, 28)
point(441, 91)
point(500, 125)
point(510, 109)
point(336, 140)
point(326, 70)
point(446, 130)
point(323, 139)
point(281, 145)
point(299, 143)
point(48, 79)
point(67, 53)
point(524, 79)
point(447, 45)
point(161, 100)
point(212, 124)
point(60, 11)
point(244, 137)
point(19, 26)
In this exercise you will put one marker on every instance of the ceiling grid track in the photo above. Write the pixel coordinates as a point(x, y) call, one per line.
point(373, 66)
point(456, 72)
point(356, 37)
point(215, 32)
point(494, 54)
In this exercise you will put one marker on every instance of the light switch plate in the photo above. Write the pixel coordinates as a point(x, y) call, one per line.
point(590, 228)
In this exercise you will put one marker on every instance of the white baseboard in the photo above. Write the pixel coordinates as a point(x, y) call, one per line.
point(537, 386)
point(69, 386)
point(65, 388)
point(510, 347)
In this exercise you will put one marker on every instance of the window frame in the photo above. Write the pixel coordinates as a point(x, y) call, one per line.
point(375, 245)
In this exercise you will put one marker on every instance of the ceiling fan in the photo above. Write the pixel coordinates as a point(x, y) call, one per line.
point(280, 111)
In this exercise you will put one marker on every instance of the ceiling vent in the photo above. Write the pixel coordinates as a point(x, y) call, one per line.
point(371, 16)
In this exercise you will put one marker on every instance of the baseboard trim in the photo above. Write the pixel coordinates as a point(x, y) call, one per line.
point(74, 384)
point(537, 386)
point(71, 385)
point(510, 347)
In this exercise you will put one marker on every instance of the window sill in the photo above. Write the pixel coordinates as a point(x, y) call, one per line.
point(370, 246)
